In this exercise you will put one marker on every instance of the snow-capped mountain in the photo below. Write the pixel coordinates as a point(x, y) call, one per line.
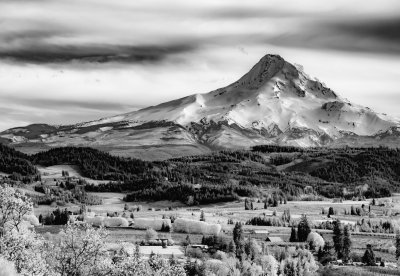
point(274, 103)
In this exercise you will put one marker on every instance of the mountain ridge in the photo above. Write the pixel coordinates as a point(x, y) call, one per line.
point(273, 103)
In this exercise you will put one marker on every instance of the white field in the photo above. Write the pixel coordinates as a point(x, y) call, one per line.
point(176, 251)
point(52, 172)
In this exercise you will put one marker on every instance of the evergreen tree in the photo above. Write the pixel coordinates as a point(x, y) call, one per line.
point(397, 245)
point(327, 254)
point(286, 217)
point(232, 247)
point(338, 238)
point(330, 212)
point(369, 256)
point(275, 203)
point(352, 211)
point(202, 216)
point(247, 204)
point(187, 240)
point(303, 229)
point(346, 244)
point(293, 235)
point(238, 238)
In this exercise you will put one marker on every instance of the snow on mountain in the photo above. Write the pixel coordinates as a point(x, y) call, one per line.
point(273, 93)
point(274, 103)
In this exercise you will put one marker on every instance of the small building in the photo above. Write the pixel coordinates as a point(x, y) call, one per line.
point(201, 246)
point(197, 187)
point(274, 239)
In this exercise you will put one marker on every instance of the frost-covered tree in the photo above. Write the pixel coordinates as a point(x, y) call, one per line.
point(7, 268)
point(79, 251)
point(316, 240)
point(134, 265)
point(300, 263)
point(26, 250)
point(13, 207)
point(251, 268)
point(270, 265)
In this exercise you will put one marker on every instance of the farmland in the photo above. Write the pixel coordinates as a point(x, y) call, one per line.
point(268, 195)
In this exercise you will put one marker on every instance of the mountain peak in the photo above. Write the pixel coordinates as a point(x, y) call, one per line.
point(266, 68)
point(273, 103)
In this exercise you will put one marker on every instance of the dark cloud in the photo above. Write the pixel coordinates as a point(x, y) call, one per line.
point(94, 53)
point(249, 13)
point(374, 36)
point(65, 104)
point(31, 34)
point(386, 30)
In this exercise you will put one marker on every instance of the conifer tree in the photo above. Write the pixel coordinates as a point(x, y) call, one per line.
point(338, 238)
point(187, 240)
point(369, 256)
point(293, 235)
point(352, 211)
point(397, 245)
point(238, 238)
point(330, 212)
point(303, 229)
point(202, 216)
point(247, 204)
point(231, 248)
point(346, 244)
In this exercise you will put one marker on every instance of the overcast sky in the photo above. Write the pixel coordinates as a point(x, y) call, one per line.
point(69, 61)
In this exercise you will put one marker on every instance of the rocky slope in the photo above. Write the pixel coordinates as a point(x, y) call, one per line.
point(274, 103)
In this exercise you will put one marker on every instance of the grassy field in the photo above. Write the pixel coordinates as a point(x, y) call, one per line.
point(220, 213)
point(358, 271)
point(53, 172)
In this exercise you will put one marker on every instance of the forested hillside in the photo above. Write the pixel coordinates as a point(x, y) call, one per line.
point(95, 164)
point(17, 165)
point(287, 172)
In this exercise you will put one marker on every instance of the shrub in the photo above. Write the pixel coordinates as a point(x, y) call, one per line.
point(194, 226)
point(151, 234)
point(116, 222)
point(95, 221)
point(156, 224)
point(316, 240)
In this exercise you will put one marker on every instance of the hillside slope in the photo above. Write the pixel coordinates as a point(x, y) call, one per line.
point(225, 175)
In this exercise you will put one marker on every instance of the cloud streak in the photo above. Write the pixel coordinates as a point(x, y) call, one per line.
point(42, 53)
